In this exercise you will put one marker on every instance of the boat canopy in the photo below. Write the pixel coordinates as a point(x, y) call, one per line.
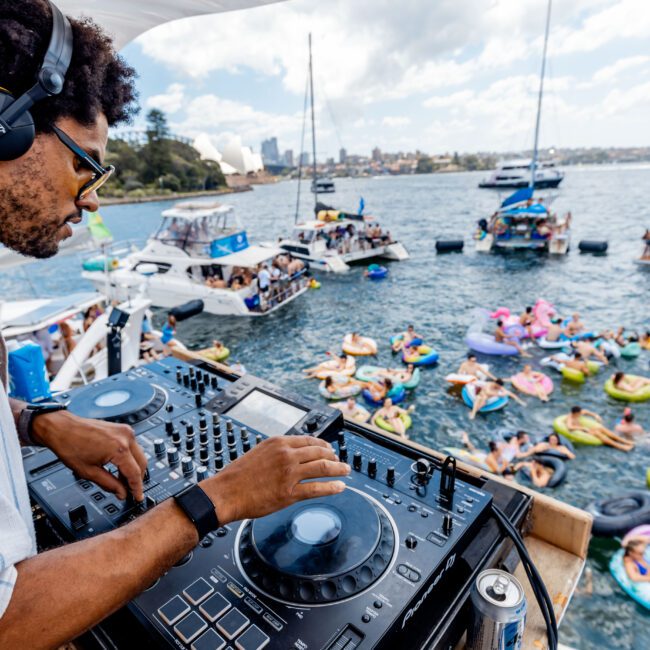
point(320, 226)
point(534, 211)
point(197, 209)
point(250, 258)
point(524, 194)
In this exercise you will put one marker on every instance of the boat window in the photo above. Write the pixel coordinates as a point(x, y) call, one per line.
point(301, 250)
point(161, 266)
point(304, 236)
point(173, 231)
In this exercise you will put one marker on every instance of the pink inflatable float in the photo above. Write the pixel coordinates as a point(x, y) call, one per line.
point(542, 311)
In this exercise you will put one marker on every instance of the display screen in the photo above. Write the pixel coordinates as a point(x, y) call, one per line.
point(266, 414)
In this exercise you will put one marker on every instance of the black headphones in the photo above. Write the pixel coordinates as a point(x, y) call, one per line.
point(16, 123)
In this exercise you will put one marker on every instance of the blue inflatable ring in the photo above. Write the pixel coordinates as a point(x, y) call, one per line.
point(494, 404)
point(397, 393)
point(376, 272)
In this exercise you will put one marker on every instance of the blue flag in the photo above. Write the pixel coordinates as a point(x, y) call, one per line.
point(362, 205)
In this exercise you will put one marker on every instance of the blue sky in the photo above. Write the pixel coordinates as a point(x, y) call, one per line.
point(444, 75)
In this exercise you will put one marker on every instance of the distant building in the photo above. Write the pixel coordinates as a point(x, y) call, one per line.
point(270, 153)
point(288, 157)
point(330, 162)
point(343, 156)
point(376, 154)
point(304, 158)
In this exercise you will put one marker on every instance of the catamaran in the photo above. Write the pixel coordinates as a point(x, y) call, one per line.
point(523, 221)
point(200, 251)
point(514, 174)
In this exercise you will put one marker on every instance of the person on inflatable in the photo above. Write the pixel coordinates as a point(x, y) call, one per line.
point(501, 337)
point(607, 437)
point(472, 367)
point(379, 389)
point(494, 459)
point(553, 443)
point(554, 330)
point(535, 378)
point(573, 327)
point(392, 415)
point(337, 363)
point(539, 474)
point(397, 374)
point(489, 390)
point(526, 320)
point(351, 410)
point(577, 363)
point(628, 427)
point(629, 384)
point(404, 339)
point(587, 349)
point(636, 567)
point(364, 347)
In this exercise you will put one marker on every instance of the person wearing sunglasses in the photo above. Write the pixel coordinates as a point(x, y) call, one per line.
point(53, 135)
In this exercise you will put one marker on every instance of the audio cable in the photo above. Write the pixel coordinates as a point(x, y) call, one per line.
point(536, 582)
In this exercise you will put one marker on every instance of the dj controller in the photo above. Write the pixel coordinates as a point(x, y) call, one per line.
point(388, 563)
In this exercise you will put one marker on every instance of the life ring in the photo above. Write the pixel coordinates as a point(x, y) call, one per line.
point(376, 272)
point(397, 393)
point(387, 426)
point(493, 404)
point(422, 355)
point(365, 348)
point(475, 458)
point(552, 462)
point(557, 362)
point(551, 345)
point(641, 395)
point(345, 388)
point(361, 417)
point(372, 373)
point(329, 369)
point(615, 516)
point(637, 591)
point(213, 355)
point(579, 437)
point(521, 383)
point(631, 350)
point(556, 454)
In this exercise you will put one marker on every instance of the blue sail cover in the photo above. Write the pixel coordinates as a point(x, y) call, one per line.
point(519, 196)
point(228, 245)
point(535, 210)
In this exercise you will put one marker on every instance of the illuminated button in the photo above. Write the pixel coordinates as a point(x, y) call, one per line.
point(173, 610)
point(214, 607)
point(190, 627)
point(209, 641)
point(232, 623)
point(252, 639)
point(198, 591)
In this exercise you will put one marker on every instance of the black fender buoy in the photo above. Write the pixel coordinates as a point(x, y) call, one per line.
point(449, 246)
point(591, 246)
point(616, 516)
point(187, 310)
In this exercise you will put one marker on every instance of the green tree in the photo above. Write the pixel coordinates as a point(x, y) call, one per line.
point(424, 166)
point(156, 154)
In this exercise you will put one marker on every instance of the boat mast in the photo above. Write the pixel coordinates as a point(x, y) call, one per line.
point(533, 166)
point(313, 122)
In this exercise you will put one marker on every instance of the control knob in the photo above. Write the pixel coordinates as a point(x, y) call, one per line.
point(169, 427)
point(372, 468)
point(218, 448)
point(176, 438)
point(172, 456)
point(186, 381)
point(390, 476)
point(194, 385)
point(311, 425)
point(218, 462)
point(215, 420)
point(246, 445)
point(229, 425)
point(201, 387)
point(233, 453)
point(203, 423)
point(198, 400)
point(179, 376)
point(204, 455)
point(258, 438)
point(169, 408)
point(203, 437)
point(189, 445)
point(340, 438)
point(411, 542)
point(199, 375)
point(214, 381)
point(343, 453)
point(159, 447)
point(187, 465)
point(231, 438)
point(201, 473)
point(243, 433)
point(356, 460)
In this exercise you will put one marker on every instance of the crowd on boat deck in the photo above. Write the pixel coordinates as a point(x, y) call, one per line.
point(544, 227)
point(346, 238)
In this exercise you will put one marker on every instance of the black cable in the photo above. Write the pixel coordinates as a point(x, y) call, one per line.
point(539, 588)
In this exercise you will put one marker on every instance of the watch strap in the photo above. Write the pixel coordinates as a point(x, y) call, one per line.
point(198, 507)
point(26, 419)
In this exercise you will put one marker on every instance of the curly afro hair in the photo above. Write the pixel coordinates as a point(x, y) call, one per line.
point(98, 79)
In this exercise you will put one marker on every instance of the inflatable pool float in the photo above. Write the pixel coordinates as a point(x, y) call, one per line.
point(361, 417)
point(631, 350)
point(487, 344)
point(609, 348)
point(615, 516)
point(366, 348)
point(513, 327)
point(493, 404)
point(422, 355)
point(376, 272)
point(641, 395)
point(371, 373)
point(386, 426)
point(314, 284)
point(397, 393)
point(521, 383)
point(556, 454)
point(400, 337)
point(101, 263)
point(647, 477)
point(579, 437)
point(552, 462)
point(570, 374)
point(344, 388)
point(329, 369)
point(213, 355)
point(551, 345)
point(639, 531)
point(637, 591)
point(460, 380)
point(475, 458)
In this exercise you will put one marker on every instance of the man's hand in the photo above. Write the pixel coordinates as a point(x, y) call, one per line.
point(269, 477)
point(85, 446)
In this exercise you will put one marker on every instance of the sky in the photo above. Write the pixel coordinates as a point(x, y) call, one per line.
point(404, 75)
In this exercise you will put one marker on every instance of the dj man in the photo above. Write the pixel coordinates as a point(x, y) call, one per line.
point(66, 78)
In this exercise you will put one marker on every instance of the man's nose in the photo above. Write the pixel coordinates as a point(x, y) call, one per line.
point(89, 203)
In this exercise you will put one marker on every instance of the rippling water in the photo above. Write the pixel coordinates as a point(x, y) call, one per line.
point(438, 294)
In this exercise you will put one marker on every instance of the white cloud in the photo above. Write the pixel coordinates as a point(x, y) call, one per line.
point(393, 121)
point(170, 101)
point(613, 71)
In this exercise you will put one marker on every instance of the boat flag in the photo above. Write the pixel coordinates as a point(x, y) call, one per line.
point(362, 205)
point(100, 233)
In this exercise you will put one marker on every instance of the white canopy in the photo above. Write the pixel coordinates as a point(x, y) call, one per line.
point(125, 20)
point(248, 258)
point(197, 209)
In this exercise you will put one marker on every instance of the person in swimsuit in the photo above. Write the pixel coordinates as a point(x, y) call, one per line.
point(629, 384)
point(587, 349)
point(352, 411)
point(607, 437)
point(628, 427)
point(540, 475)
point(475, 369)
point(554, 330)
point(636, 567)
point(535, 378)
point(552, 443)
point(488, 390)
point(574, 326)
point(526, 319)
point(379, 389)
point(577, 363)
point(392, 415)
point(337, 363)
point(501, 337)
point(406, 339)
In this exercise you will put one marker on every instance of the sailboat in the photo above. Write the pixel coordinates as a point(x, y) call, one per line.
point(333, 239)
point(524, 221)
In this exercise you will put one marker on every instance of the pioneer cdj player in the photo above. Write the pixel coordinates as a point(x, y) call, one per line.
point(388, 563)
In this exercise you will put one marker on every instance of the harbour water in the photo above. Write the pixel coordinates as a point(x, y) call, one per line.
point(438, 294)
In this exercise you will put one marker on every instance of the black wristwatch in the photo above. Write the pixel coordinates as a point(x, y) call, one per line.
point(198, 507)
point(31, 411)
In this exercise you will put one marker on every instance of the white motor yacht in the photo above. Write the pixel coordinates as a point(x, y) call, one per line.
point(200, 251)
point(513, 174)
point(323, 186)
point(336, 239)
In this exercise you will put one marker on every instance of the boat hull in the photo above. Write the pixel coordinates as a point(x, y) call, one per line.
point(542, 184)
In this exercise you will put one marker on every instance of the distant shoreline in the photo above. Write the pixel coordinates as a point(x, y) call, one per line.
point(126, 200)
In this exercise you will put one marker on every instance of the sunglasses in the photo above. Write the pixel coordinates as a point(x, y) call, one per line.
point(100, 174)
